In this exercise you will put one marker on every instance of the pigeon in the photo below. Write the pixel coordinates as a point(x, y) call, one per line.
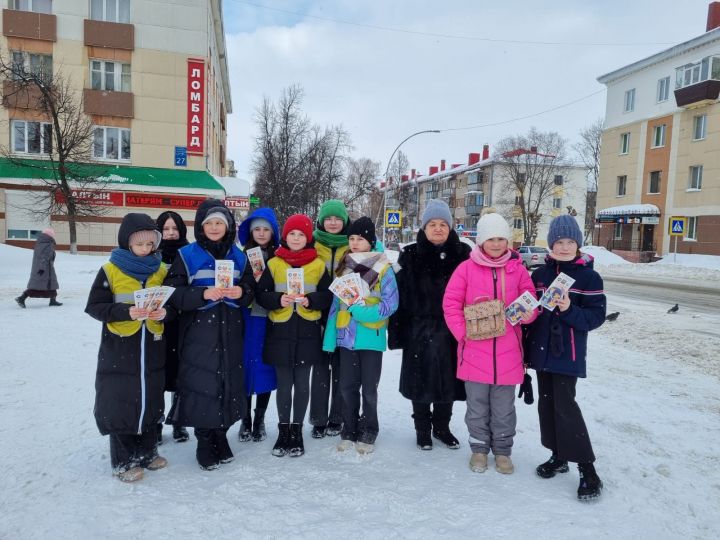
point(612, 316)
point(674, 309)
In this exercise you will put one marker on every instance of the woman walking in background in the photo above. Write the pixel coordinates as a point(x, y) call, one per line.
point(43, 281)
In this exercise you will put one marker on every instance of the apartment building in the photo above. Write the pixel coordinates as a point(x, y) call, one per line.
point(661, 151)
point(152, 75)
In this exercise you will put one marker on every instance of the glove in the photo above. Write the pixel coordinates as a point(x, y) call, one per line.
point(526, 389)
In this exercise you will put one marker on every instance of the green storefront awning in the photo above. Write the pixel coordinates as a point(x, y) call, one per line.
point(112, 174)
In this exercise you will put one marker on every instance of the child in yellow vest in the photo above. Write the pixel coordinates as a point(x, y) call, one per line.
point(131, 361)
point(293, 342)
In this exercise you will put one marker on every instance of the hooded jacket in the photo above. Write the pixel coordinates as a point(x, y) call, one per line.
point(169, 248)
point(42, 273)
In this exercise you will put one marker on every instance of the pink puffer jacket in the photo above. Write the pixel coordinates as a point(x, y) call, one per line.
point(496, 360)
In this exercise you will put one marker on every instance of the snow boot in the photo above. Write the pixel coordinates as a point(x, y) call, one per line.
point(333, 429)
point(504, 465)
point(222, 447)
point(281, 445)
point(54, 302)
point(157, 463)
point(131, 475)
point(423, 426)
point(245, 433)
point(551, 467)
point(591, 486)
point(447, 438)
point(478, 462)
point(424, 441)
point(206, 454)
point(318, 432)
point(441, 429)
point(180, 434)
point(364, 448)
point(21, 301)
point(296, 447)
point(258, 428)
point(344, 445)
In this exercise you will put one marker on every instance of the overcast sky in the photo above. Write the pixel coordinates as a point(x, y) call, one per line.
point(385, 69)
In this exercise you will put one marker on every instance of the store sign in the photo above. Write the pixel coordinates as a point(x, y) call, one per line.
point(237, 203)
point(97, 198)
point(651, 220)
point(145, 200)
point(196, 107)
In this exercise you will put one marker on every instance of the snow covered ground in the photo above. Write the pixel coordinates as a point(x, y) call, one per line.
point(651, 403)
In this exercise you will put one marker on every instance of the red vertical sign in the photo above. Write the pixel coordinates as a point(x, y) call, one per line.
point(196, 107)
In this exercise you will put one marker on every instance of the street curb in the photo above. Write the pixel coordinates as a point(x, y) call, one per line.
point(667, 284)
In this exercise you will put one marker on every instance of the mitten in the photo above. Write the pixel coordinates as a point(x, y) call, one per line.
point(526, 389)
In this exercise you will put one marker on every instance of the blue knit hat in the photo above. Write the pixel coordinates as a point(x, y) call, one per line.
point(437, 209)
point(564, 226)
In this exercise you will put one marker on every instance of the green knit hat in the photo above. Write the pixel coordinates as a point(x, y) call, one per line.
point(333, 207)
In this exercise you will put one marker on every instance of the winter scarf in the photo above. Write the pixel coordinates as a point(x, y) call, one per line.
point(329, 239)
point(296, 259)
point(169, 249)
point(140, 268)
point(368, 264)
point(483, 259)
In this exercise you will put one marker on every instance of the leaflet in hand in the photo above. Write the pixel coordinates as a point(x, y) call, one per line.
point(557, 289)
point(348, 288)
point(257, 263)
point(296, 282)
point(153, 298)
point(524, 303)
point(224, 274)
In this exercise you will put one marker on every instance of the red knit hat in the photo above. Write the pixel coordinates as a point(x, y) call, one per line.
point(299, 222)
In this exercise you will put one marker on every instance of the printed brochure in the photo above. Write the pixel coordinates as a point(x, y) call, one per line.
point(524, 303)
point(224, 274)
point(557, 289)
point(257, 263)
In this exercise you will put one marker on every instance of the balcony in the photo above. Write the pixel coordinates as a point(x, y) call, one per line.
point(105, 103)
point(110, 35)
point(697, 95)
point(27, 24)
point(18, 96)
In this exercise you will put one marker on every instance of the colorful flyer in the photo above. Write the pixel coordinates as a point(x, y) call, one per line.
point(296, 282)
point(524, 303)
point(348, 288)
point(257, 263)
point(557, 289)
point(224, 274)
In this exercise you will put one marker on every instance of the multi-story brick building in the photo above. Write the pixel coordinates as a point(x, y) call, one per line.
point(152, 75)
point(661, 150)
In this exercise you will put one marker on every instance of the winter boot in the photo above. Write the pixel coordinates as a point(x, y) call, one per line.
point(258, 428)
point(423, 426)
point(551, 467)
point(222, 447)
point(344, 445)
point(590, 484)
point(424, 441)
point(158, 462)
point(364, 448)
point(281, 445)
point(245, 433)
point(21, 301)
point(180, 434)
point(441, 430)
point(131, 475)
point(478, 462)
point(158, 432)
point(296, 447)
point(333, 429)
point(54, 302)
point(318, 432)
point(504, 465)
point(206, 454)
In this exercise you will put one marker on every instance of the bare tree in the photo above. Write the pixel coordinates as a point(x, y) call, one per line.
point(296, 164)
point(71, 185)
point(359, 184)
point(530, 164)
point(588, 150)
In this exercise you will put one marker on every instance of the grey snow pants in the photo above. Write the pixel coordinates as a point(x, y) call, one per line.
point(490, 417)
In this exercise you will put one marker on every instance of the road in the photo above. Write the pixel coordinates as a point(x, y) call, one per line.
point(705, 300)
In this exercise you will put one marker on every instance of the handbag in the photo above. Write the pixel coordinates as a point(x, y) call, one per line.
point(485, 320)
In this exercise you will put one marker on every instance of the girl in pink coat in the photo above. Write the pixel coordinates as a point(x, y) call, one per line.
point(490, 367)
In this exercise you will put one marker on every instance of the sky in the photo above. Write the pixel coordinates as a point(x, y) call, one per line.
point(385, 70)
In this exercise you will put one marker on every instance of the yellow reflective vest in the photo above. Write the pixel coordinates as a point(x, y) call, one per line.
point(326, 254)
point(313, 273)
point(123, 287)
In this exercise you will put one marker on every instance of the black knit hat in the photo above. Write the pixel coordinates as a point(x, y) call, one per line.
point(364, 227)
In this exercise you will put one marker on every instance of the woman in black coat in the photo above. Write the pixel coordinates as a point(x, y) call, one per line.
point(429, 360)
point(43, 282)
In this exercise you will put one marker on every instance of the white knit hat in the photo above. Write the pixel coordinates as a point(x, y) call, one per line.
point(492, 226)
point(216, 214)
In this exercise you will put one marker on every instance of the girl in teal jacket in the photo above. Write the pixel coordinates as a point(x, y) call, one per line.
point(359, 333)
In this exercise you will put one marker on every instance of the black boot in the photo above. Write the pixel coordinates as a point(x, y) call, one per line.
point(245, 433)
point(21, 300)
point(318, 432)
point(423, 426)
point(424, 441)
point(333, 429)
point(180, 434)
point(296, 447)
point(551, 467)
point(54, 302)
point(206, 454)
point(258, 429)
point(441, 428)
point(222, 447)
point(590, 484)
point(281, 445)
point(158, 432)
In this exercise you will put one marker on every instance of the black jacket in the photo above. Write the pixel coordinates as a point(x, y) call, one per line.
point(429, 360)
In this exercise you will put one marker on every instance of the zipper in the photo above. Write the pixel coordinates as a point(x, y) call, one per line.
point(142, 377)
point(494, 274)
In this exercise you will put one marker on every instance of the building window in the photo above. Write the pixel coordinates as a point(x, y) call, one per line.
point(658, 136)
point(517, 223)
point(699, 127)
point(663, 89)
point(557, 202)
point(621, 185)
point(618, 231)
point(624, 143)
point(109, 76)
point(654, 182)
point(521, 179)
point(31, 137)
point(629, 104)
point(518, 200)
point(36, 6)
point(693, 73)
point(111, 143)
point(691, 228)
point(110, 10)
point(558, 180)
point(40, 65)
point(696, 172)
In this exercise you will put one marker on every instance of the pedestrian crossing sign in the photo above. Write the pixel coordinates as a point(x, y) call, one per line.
point(393, 218)
point(676, 226)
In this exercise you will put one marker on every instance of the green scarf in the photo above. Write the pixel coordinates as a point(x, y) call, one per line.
point(329, 239)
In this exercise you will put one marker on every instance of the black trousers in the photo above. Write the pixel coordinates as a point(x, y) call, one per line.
point(360, 375)
point(325, 386)
point(438, 418)
point(293, 393)
point(562, 427)
point(128, 451)
point(261, 403)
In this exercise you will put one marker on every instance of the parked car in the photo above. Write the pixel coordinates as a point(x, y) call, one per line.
point(532, 256)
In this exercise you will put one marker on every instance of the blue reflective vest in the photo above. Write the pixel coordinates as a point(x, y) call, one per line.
point(200, 267)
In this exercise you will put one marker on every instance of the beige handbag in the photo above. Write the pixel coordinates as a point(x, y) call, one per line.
point(486, 319)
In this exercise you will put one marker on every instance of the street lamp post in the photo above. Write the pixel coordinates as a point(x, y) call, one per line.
point(387, 169)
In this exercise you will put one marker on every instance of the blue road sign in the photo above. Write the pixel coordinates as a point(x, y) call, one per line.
point(393, 218)
point(181, 156)
point(677, 226)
